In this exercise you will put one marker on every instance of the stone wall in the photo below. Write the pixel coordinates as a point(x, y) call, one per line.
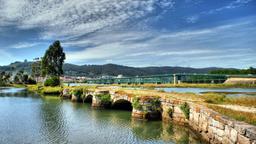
point(216, 128)
point(212, 126)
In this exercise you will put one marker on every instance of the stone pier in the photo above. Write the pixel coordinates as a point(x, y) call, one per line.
point(212, 126)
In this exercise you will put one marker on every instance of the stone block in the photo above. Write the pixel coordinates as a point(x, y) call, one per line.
point(233, 135)
point(217, 124)
point(241, 127)
point(242, 140)
point(251, 133)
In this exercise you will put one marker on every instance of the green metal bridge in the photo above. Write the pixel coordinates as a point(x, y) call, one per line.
point(167, 78)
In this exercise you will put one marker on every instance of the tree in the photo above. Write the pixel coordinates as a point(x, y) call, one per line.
point(36, 68)
point(4, 78)
point(53, 60)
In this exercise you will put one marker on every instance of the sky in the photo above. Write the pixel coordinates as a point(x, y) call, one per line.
point(188, 33)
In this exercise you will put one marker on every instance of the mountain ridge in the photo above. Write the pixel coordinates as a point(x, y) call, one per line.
point(110, 69)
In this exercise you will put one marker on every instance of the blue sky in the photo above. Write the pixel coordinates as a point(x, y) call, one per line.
point(191, 33)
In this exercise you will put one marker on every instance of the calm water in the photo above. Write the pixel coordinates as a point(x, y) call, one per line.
point(27, 118)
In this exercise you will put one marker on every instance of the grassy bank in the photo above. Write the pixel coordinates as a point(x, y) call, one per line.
point(237, 115)
point(213, 98)
point(55, 90)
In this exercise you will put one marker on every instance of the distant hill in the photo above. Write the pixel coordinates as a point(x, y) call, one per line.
point(109, 69)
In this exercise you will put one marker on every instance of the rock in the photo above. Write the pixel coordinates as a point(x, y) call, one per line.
point(251, 133)
point(233, 135)
point(216, 124)
point(241, 127)
point(242, 140)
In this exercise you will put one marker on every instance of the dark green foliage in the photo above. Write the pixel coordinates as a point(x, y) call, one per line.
point(250, 70)
point(156, 104)
point(136, 103)
point(4, 78)
point(105, 99)
point(52, 81)
point(36, 68)
point(108, 69)
point(22, 78)
point(31, 81)
point(53, 60)
point(78, 92)
point(185, 109)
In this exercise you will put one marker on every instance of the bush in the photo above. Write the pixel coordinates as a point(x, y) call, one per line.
point(136, 103)
point(52, 81)
point(78, 92)
point(105, 99)
point(156, 104)
point(185, 109)
point(31, 81)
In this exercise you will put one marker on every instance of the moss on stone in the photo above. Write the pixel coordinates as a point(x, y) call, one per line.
point(185, 109)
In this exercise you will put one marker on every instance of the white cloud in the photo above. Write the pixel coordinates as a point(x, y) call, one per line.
point(161, 48)
point(23, 45)
point(232, 5)
point(192, 19)
point(65, 18)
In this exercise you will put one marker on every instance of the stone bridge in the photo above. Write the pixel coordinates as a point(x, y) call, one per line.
point(212, 126)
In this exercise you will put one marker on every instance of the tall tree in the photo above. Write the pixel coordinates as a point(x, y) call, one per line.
point(36, 68)
point(53, 60)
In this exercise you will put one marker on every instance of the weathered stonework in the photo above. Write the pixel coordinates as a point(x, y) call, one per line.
point(212, 126)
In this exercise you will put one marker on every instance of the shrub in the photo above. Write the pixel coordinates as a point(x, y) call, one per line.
point(156, 103)
point(78, 92)
point(105, 98)
point(52, 81)
point(185, 109)
point(136, 103)
point(31, 81)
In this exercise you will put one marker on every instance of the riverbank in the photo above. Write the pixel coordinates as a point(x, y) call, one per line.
point(187, 85)
point(149, 103)
point(213, 99)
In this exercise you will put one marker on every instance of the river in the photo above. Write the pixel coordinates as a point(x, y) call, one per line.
point(29, 118)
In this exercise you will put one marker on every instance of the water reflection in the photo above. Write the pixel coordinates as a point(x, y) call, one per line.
point(165, 132)
point(53, 128)
point(34, 119)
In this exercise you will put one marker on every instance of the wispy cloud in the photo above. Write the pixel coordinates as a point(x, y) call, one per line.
point(65, 18)
point(232, 5)
point(24, 45)
point(220, 42)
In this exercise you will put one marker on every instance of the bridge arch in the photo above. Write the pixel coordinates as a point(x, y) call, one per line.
point(122, 104)
point(88, 98)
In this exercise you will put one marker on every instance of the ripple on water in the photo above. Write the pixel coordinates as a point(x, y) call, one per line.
point(50, 120)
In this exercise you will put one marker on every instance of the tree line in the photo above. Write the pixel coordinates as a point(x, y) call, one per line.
point(49, 68)
point(248, 71)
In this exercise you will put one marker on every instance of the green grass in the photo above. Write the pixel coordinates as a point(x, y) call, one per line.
point(213, 98)
point(237, 115)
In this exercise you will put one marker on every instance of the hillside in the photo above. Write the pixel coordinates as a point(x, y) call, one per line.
point(108, 69)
